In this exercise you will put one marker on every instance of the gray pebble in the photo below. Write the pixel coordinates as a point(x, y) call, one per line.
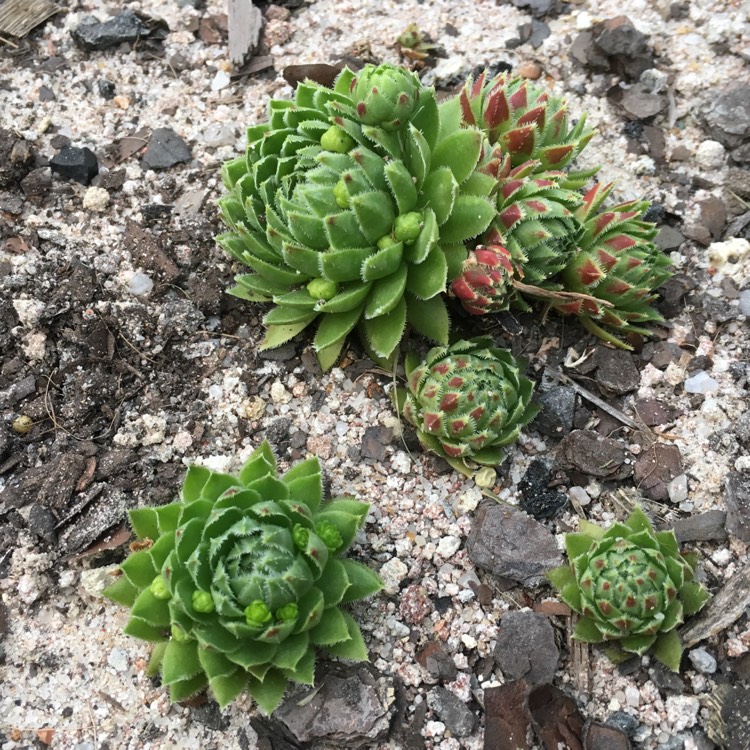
point(702, 660)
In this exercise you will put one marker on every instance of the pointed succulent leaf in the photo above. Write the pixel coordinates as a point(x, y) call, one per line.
point(668, 650)
point(385, 332)
point(363, 582)
point(459, 151)
point(471, 215)
point(693, 597)
point(429, 318)
point(353, 647)
point(267, 693)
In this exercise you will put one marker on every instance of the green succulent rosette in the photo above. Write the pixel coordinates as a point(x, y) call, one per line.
point(467, 401)
point(349, 225)
point(631, 586)
point(616, 267)
point(239, 581)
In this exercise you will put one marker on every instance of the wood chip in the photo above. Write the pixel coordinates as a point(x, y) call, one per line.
point(19, 17)
point(245, 21)
point(724, 609)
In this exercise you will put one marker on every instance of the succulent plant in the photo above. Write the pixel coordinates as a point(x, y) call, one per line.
point(467, 401)
point(525, 120)
point(616, 267)
point(351, 207)
point(631, 586)
point(240, 580)
point(533, 237)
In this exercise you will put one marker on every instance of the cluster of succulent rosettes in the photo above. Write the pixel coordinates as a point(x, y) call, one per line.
point(351, 207)
point(240, 580)
point(631, 586)
point(467, 401)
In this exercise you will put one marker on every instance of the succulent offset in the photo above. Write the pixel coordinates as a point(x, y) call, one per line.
point(535, 231)
point(241, 579)
point(467, 401)
point(524, 120)
point(616, 265)
point(351, 206)
point(631, 586)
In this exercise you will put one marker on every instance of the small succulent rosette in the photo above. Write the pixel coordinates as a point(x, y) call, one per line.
point(631, 586)
point(616, 265)
point(467, 401)
point(241, 579)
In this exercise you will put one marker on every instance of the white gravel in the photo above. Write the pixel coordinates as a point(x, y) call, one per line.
point(67, 665)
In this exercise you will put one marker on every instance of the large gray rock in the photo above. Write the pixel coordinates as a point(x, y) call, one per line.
point(526, 647)
point(509, 544)
point(351, 706)
point(727, 116)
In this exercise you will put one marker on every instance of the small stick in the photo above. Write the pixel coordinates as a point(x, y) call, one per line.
point(589, 396)
point(537, 291)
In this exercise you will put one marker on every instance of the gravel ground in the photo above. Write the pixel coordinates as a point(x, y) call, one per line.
point(140, 364)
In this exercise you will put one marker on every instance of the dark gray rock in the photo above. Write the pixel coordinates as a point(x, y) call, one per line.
point(538, 8)
point(616, 372)
point(727, 115)
point(623, 721)
point(375, 442)
point(640, 104)
point(509, 544)
point(666, 681)
point(704, 527)
point(654, 413)
point(557, 409)
point(16, 157)
point(106, 89)
point(73, 163)
point(538, 499)
point(437, 661)
point(42, 522)
point(668, 239)
point(663, 353)
point(594, 455)
point(616, 46)
point(655, 467)
point(165, 149)
point(452, 711)
point(93, 34)
point(737, 502)
point(526, 647)
point(350, 706)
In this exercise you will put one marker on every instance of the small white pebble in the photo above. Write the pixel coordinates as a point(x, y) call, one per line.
point(392, 573)
point(95, 199)
point(710, 155)
point(220, 81)
point(448, 546)
point(279, 394)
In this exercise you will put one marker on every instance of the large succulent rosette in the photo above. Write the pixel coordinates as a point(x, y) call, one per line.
point(351, 207)
point(631, 586)
point(240, 580)
point(616, 265)
point(467, 401)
